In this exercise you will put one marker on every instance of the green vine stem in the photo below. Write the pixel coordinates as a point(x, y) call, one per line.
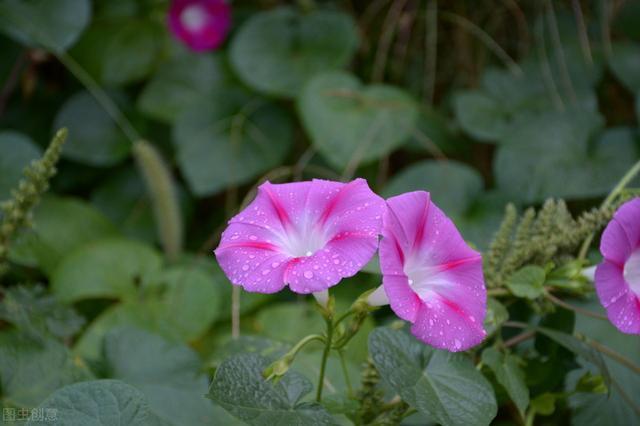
point(325, 357)
point(628, 177)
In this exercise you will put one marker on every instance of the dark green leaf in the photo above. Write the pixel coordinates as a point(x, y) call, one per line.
point(553, 148)
point(180, 83)
point(230, 139)
point(239, 388)
point(97, 403)
point(275, 52)
point(53, 24)
point(506, 368)
point(625, 64)
point(168, 374)
point(33, 311)
point(350, 123)
point(109, 268)
point(443, 385)
point(30, 369)
point(61, 225)
point(94, 138)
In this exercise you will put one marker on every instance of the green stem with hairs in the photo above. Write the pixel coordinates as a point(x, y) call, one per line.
point(325, 357)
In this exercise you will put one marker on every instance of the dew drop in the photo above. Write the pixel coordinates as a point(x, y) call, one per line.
point(308, 274)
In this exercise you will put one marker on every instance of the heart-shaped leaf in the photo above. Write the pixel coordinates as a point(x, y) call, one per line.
point(239, 388)
point(53, 24)
point(168, 374)
point(350, 123)
point(229, 139)
point(275, 52)
point(60, 225)
point(105, 268)
point(445, 386)
point(550, 156)
point(120, 51)
point(30, 369)
point(94, 138)
point(95, 403)
point(180, 83)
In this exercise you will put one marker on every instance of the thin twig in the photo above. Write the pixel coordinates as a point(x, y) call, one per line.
point(605, 16)
point(559, 51)
point(576, 309)
point(522, 337)
point(431, 51)
point(616, 356)
point(545, 69)
point(388, 30)
point(582, 31)
point(485, 38)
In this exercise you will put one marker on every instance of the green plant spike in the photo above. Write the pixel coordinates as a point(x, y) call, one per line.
point(17, 210)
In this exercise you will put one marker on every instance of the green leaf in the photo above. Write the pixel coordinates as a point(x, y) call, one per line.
point(239, 388)
point(120, 51)
point(168, 374)
point(180, 83)
point(94, 138)
point(109, 268)
point(34, 311)
point(625, 64)
point(506, 368)
point(445, 386)
point(61, 225)
point(481, 116)
point(350, 123)
point(16, 152)
point(555, 147)
point(229, 139)
point(97, 403)
point(30, 369)
point(616, 407)
point(190, 298)
point(527, 282)
point(53, 24)
point(578, 347)
point(275, 52)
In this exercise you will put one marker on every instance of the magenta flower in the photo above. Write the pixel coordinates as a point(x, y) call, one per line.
point(617, 278)
point(308, 235)
point(200, 24)
point(431, 277)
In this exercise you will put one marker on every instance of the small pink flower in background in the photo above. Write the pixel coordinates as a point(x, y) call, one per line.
point(200, 24)
point(431, 277)
point(617, 278)
point(308, 235)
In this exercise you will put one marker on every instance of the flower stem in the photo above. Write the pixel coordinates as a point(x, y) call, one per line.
point(325, 357)
point(628, 177)
point(302, 343)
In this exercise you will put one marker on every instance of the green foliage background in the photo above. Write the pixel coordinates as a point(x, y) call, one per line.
point(113, 293)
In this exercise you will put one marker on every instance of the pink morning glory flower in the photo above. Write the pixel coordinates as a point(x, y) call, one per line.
point(200, 24)
point(307, 235)
point(617, 278)
point(431, 277)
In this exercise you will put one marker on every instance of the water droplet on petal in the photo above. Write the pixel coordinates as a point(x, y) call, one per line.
point(308, 274)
